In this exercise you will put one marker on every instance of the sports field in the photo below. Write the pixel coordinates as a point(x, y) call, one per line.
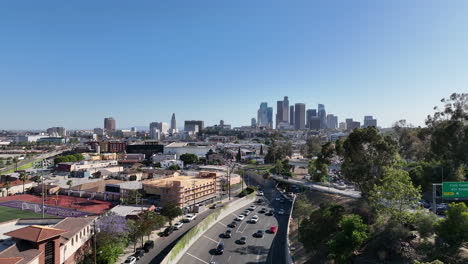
point(7, 213)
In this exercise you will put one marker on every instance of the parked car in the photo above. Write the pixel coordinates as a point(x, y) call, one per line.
point(178, 225)
point(190, 217)
point(168, 231)
point(130, 260)
point(220, 248)
point(233, 224)
point(273, 229)
point(243, 240)
point(259, 233)
point(148, 245)
point(228, 233)
point(139, 253)
point(281, 211)
point(240, 218)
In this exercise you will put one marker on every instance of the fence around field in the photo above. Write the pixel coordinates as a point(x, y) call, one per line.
point(197, 231)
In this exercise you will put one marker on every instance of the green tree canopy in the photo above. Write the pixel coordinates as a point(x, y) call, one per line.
point(454, 229)
point(366, 153)
point(189, 158)
point(171, 211)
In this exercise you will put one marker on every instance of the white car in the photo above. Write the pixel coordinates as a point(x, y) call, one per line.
point(130, 260)
point(178, 225)
point(190, 217)
point(252, 207)
point(240, 217)
point(278, 198)
point(254, 219)
point(246, 212)
point(281, 212)
point(260, 193)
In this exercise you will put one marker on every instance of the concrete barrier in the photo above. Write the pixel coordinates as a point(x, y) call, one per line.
point(289, 259)
point(197, 231)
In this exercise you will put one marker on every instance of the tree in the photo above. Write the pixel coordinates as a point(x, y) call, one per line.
point(174, 167)
point(111, 237)
point(189, 158)
point(266, 176)
point(261, 150)
point(132, 178)
point(23, 177)
point(239, 156)
point(454, 229)
point(279, 167)
point(312, 147)
point(171, 211)
point(366, 154)
point(131, 197)
point(425, 223)
point(134, 232)
point(352, 235)
point(395, 194)
point(460, 173)
point(15, 160)
point(150, 221)
point(69, 183)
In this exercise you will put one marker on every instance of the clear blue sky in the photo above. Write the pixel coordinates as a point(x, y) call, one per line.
point(72, 63)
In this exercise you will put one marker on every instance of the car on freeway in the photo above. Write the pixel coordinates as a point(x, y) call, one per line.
point(254, 219)
point(190, 217)
point(220, 248)
point(273, 229)
point(240, 217)
point(246, 212)
point(278, 198)
point(260, 193)
point(178, 225)
point(130, 260)
point(233, 224)
point(281, 211)
point(252, 207)
point(168, 231)
point(148, 245)
point(281, 200)
point(259, 233)
point(263, 210)
point(228, 233)
point(259, 201)
point(442, 208)
point(242, 240)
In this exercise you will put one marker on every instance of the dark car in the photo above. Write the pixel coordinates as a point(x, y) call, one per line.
point(259, 233)
point(228, 233)
point(139, 253)
point(442, 208)
point(168, 231)
point(232, 225)
point(242, 240)
point(220, 248)
point(148, 245)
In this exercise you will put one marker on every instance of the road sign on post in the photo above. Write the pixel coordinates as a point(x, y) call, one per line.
point(455, 189)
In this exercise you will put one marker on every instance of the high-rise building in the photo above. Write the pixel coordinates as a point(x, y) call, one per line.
point(299, 116)
point(282, 112)
point(291, 115)
point(57, 132)
point(369, 121)
point(314, 123)
point(270, 117)
point(109, 124)
point(158, 128)
point(310, 113)
point(253, 122)
point(173, 122)
point(332, 121)
point(193, 125)
point(353, 125)
point(342, 126)
point(322, 114)
point(348, 122)
point(262, 115)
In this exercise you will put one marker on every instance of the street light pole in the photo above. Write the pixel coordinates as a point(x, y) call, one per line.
point(43, 201)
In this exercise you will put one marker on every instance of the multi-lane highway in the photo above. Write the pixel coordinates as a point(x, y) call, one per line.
point(267, 249)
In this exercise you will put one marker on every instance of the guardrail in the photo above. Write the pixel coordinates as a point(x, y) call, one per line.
point(289, 259)
point(197, 231)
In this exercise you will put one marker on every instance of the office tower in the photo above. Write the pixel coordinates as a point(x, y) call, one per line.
point(291, 115)
point(310, 113)
point(342, 126)
point(315, 123)
point(322, 114)
point(279, 113)
point(286, 109)
point(353, 125)
point(299, 116)
point(193, 125)
point(262, 115)
point(369, 121)
point(173, 122)
point(57, 132)
point(133, 129)
point(332, 121)
point(253, 122)
point(348, 122)
point(109, 124)
point(270, 117)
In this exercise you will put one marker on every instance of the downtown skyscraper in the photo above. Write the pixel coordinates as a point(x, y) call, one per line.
point(299, 116)
point(282, 112)
point(322, 114)
point(265, 115)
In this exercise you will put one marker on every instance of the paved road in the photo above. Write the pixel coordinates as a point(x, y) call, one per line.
point(269, 249)
point(33, 159)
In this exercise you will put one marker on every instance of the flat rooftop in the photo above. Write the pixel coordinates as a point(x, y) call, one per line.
point(185, 181)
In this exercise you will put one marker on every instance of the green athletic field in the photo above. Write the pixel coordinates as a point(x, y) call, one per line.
point(7, 213)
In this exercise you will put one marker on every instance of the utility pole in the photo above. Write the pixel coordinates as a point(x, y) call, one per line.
point(43, 200)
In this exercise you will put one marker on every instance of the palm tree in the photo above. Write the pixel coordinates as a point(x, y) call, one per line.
point(69, 183)
point(15, 160)
point(7, 186)
point(23, 177)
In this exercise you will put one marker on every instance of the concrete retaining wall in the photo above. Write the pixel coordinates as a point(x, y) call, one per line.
point(197, 231)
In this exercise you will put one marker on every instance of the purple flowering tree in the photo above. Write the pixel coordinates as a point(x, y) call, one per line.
point(113, 224)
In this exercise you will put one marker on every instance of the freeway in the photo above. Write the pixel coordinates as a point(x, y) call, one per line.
point(268, 249)
point(34, 159)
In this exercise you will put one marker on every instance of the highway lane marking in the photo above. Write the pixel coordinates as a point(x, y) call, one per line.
point(229, 259)
point(201, 260)
point(210, 239)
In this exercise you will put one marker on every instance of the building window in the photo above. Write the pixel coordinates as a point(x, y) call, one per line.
point(49, 253)
point(72, 241)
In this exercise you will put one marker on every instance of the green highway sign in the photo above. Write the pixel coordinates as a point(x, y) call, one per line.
point(455, 189)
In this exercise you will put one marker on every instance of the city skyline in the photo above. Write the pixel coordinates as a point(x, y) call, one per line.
point(71, 64)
